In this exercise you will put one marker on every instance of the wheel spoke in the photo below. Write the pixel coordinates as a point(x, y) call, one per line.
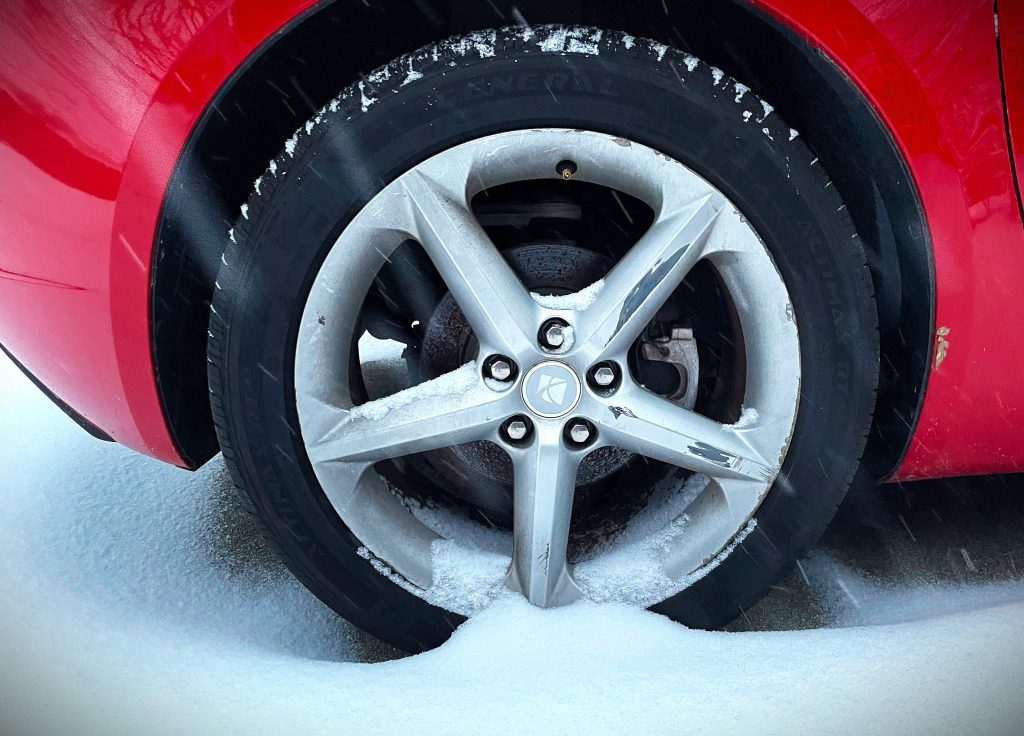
point(492, 297)
point(647, 275)
point(448, 410)
point(652, 426)
point(545, 480)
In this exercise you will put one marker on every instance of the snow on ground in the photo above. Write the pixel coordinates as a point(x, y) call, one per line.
point(134, 600)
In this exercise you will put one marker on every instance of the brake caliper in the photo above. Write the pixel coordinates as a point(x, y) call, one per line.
point(680, 351)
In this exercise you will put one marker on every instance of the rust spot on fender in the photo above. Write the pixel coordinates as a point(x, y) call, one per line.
point(941, 345)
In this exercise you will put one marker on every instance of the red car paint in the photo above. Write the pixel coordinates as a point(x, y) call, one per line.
point(931, 70)
point(98, 99)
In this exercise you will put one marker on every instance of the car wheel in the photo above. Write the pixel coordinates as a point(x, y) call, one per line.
point(550, 312)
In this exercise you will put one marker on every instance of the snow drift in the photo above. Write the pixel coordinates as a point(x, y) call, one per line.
point(135, 599)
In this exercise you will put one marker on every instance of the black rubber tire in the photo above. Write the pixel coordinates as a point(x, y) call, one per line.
point(486, 83)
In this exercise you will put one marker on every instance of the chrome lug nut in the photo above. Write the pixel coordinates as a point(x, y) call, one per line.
point(604, 376)
point(579, 432)
point(554, 336)
point(501, 369)
point(516, 429)
point(554, 333)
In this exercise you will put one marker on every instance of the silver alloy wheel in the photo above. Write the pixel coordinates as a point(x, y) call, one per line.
point(431, 205)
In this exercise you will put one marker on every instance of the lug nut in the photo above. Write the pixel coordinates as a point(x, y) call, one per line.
point(516, 429)
point(604, 375)
point(554, 333)
point(555, 336)
point(579, 432)
point(501, 369)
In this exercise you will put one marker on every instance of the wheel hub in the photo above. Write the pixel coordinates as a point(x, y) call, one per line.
point(551, 389)
point(448, 342)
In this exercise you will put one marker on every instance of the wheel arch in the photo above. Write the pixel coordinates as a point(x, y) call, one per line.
point(323, 50)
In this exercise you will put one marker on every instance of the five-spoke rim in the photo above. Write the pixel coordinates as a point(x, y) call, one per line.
point(532, 388)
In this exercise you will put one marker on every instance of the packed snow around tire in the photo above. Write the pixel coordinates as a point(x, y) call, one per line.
point(137, 599)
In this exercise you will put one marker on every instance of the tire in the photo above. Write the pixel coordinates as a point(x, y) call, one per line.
point(465, 88)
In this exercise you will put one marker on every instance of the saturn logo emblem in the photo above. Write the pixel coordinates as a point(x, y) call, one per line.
point(551, 389)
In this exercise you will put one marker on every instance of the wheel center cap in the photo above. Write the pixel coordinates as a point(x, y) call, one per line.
point(551, 389)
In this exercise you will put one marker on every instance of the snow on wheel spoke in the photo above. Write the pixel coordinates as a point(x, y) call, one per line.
point(655, 427)
point(638, 286)
point(447, 410)
point(544, 481)
point(490, 294)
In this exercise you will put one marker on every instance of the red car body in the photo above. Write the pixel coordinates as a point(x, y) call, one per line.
point(99, 98)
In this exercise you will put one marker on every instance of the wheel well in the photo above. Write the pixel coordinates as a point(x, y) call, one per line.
point(292, 75)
